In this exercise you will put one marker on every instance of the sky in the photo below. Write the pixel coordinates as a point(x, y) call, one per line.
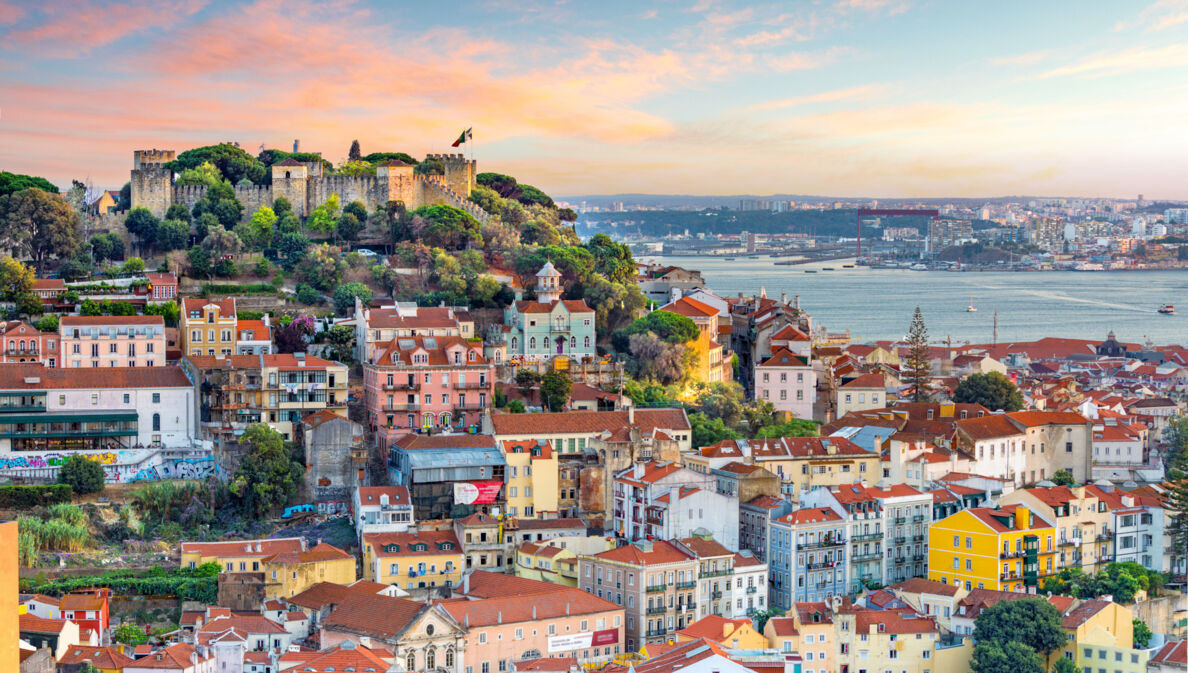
point(877, 98)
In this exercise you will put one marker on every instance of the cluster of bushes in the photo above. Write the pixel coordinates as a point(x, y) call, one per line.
point(64, 528)
point(1120, 580)
point(28, 497)
point(221, 289)
point(188, 584)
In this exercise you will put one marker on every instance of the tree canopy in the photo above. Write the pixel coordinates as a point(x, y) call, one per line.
point(450, 228)
point(667, 326)
point(15, 182)
point(1033, 622)
point(233, 163)
point(268, 476)
point(40, 223)
point(918, 366)
point(82, 474)
point(991, 390)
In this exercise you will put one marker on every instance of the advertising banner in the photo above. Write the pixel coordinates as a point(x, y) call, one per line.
point(476, 493)
point(582, 641)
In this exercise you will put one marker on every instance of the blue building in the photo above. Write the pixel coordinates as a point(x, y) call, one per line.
point(550, 326)
point(808, 557)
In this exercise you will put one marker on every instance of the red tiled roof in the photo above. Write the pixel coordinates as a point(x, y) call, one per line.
point(571, 305)
point(245, 548)
point(989, 427)
point(789, 333)
point(662, 552)
point(551, 602)
point(172, 657)
point(991, 517)
point(547, 664)
point(226, 306)
point(67, 321)
point(868, 381)
point(320, 552)
point(784, 626)
point(713, 627)
point(36, 376)
point(1173, 652)
point(37, 624)
point(765, 501)
point(652, 472)
point(919, 585)
point(783, 357)
point(704, 548)
point(404, 348)
point(373, 615)
point(82, 601)
point(106, 658)
point(810, 515)
point(893, 622)
point(413, 442)
point(430, 538)
point(370, 495)
point(1035, 418)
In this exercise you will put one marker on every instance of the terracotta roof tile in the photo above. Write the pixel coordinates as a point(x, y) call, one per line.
point(784, 626)
point(245, 548)
point(413, 442)
point(662, 551)
point(919, 585)
point(989, 427)
point(36, 376)
point(591, 422)
point(397, 495)
point(1173, 652)
point(432, 539)
point(105, 658)
point(373, 615)
point(868, 381)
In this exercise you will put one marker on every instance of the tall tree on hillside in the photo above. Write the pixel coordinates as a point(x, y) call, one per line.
point(355, 154)
point(917, 367)
point(1176, 437)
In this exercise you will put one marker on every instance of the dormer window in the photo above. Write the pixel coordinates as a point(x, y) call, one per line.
point(391, 548)
point(445, 546)
point(473, 356)
point(419, 546)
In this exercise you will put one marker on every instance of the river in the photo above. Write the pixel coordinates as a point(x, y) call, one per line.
point(878, 303)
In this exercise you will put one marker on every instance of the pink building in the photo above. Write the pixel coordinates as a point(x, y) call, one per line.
point(112, 341)
point(512, 619)
point(162, 286)
point(786, 377)
point(22, 342)
point(427, 382)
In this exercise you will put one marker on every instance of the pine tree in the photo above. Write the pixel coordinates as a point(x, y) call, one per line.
point(917, 367)
point(1176, 437)
point(355, 154)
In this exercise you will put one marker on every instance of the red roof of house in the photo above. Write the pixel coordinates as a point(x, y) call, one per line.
point(588, 422)
point(713, 627)
point(784, 626)
point(990, 426)
point(106, 658)
point(432, 539)
point(662, 551)
point(810, 515)
point(919, 585)
point(868, 381)
point(893, 622)
point(1173, 652)
point(244, 548)
point(691, 308)
point(397, 495)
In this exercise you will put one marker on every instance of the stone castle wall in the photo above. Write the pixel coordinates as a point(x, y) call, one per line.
point(153, 188)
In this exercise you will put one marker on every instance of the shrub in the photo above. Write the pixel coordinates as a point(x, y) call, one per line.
point(82, 474)
point(28, 497)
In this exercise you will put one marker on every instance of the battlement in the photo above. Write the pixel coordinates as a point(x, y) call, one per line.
point(154, 158)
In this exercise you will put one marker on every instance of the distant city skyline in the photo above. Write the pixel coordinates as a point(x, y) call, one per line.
point(887, 99)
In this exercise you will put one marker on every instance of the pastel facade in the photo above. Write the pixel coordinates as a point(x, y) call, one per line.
point(808, 557)
point(711, 365)
point(111, 341)
point(208, 327)
point(786, 378)
point(532, 479)
point(22, 342)
point(419, 383)
point(1008, 549)
point(430, 558)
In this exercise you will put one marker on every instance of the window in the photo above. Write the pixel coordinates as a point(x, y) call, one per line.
point(156, 422)
point(156, 398)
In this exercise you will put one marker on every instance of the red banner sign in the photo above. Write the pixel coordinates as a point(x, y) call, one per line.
point(476, 493)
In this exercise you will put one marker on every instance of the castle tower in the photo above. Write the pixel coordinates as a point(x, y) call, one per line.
point(460, 172)
point(290, 179)
point(397, 178)
point(548, 284)
point(152, 182)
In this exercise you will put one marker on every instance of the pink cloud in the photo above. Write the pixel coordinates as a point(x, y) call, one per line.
point(10, 13)
point(70, 29)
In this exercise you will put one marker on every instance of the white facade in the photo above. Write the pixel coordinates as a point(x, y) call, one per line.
point(788, 388)
point(382, 509)
point(750, 587)
point(166, 415)
point(698, 510)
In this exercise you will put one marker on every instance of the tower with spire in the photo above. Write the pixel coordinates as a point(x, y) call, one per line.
point(548, 284)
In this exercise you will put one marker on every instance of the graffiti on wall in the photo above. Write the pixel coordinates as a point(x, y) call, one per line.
point(50, 460)
point(180, 468)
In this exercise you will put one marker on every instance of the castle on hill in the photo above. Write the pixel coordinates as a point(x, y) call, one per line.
point(306, 186)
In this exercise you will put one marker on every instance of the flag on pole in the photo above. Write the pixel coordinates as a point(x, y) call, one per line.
point(466, 135)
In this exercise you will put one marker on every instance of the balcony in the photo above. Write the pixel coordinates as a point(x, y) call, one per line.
point(900, 539)
point(8, 408)
point(471, 385)
point(752, 590)
point(1067, 543)
point(919, 557)
point(862, 537)
point(833, 542)
point(1009, 576)
point(402, 386)
point(918, 518)
point(715, 573)
point(900, 520)
point(871, 556)
point(20, 352)
point(716, 594)
point(559, 327)
point(685, 585)
point(408, 406)
point(656, 588)
point(657, 610)
point(690, 605)
point(656, 633)
point(1104, 537)
point(470, 406)
point(821, 564)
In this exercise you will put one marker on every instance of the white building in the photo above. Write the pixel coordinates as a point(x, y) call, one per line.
point(750, 584)
point(636, 489)
point(698, 510)
point(121, 416)
point(382, 509)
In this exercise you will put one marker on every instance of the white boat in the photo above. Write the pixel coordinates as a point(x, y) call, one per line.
point(918, 267)
point(971, 308)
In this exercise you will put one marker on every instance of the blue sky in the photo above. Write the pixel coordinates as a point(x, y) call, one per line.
point(882, 98)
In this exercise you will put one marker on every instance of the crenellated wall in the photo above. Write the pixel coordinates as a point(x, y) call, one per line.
point(306, 189)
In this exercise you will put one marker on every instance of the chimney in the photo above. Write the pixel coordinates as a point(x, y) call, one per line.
point(566, 608)
point(534, 612)
point(466, 584)
point(674, 497)
point(637, 471)
point(631, 415)
point(796, 303)
point(499, 617)
point(783, 297)
point(1022, 517)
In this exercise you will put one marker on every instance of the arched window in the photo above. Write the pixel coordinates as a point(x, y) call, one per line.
point(427, 421)
point(515, 343)
point(449, 659)
point(532, 343)
point(586, 342)
point(156, 422)
point(430, 660)
point(410, 661)
point(286, 175)
point(531, 654)
point(572, 342)
point(445, 420)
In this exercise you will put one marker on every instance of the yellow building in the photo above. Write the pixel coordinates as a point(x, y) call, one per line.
point(547, 563)
point(885, 640)
point(239, 556)
point(709, 367)
point(808, 628)
point(208, 326)
point(289, 573)
point(1101, 635)
point(10, 609)
point(732, 633)
point(1081, 518)
point(430, 558)
point(1007, 549)
point(532, 487)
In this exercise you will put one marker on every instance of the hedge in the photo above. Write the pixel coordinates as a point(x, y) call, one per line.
point(199, 584)
point(26, 497)
point(216, 289)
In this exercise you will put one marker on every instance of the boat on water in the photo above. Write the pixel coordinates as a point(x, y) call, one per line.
point(1167, 309)
point(810, 271)
point(827, 268)
point(728, 259)
point(847, 266)
point(918, 267)
point(971, 308)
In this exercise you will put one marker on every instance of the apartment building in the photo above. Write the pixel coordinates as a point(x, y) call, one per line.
point(381, 325)
point(22, 342)
point(637, 490)
point(382, 509)
point(808, 556)
point(425, 382)
point(654, 581)
point(532, 479)
point(886, 640)
point(805, 463)
point(208, 326)
point(111, 341)
point(279, 389)
point(866, 524)
point(413, 560)
point(750, 584)
point(715, 575)
point(754, 523)
point(786, 378)
point(1082, 522)
point(1008, 548)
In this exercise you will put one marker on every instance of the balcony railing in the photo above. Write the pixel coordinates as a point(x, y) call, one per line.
point(899, 520)
point(918, 538)
point(870, 556)
point(402, 386)
point(413, 406)
point(752, 590)
point(470, 406)
point(716, 593)
point(657, 610)
point(656, 587)
point(860, 537)
point(919, 517)
point(656, 633)
point(471, 385)
point(690, 605)
point(686, 585)
point(716, 573)
point(833, 542)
